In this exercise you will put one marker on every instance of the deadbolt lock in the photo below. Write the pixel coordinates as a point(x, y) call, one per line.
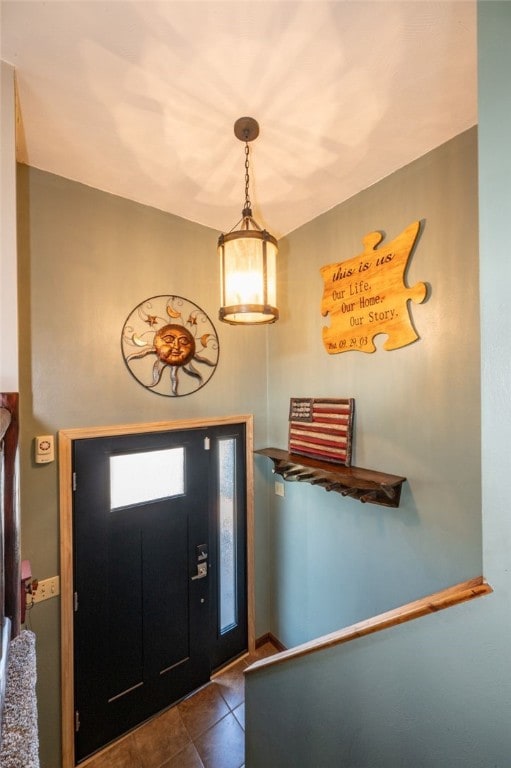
point(202, 571)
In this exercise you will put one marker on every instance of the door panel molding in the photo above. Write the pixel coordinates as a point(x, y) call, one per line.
point(66, 437)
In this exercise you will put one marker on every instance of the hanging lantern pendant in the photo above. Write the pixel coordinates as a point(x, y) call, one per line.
point(248, 258)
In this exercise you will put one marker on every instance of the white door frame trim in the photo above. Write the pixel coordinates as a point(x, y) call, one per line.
point(66, 438)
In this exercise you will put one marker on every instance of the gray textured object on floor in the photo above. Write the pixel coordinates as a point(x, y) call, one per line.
point(20, 738)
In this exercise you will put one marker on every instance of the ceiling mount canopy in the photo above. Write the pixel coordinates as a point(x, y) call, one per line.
point(248, 257)
point(246, 129)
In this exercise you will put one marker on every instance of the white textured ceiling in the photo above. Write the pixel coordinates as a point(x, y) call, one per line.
point(139, 97)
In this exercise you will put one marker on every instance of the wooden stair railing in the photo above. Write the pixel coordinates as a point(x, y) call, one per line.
point(446, 598)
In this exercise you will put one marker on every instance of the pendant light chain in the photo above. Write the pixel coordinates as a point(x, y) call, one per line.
point(247, 211)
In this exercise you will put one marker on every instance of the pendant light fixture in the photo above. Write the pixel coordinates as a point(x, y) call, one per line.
point(248, 257)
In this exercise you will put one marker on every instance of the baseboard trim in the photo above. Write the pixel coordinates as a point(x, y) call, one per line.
point(269, 638)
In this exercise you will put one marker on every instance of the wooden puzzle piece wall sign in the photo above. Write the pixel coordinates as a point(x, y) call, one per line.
point(367, 295)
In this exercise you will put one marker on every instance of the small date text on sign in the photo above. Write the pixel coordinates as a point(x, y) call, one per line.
point(367, 295)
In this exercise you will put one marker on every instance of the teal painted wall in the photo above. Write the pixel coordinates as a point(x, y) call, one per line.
point(434, 693)
point(86, 259)
point(335, 561)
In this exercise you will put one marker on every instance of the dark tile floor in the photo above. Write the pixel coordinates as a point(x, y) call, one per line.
point(206, 730)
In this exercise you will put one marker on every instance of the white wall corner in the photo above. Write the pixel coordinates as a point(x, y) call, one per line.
point(9, 379)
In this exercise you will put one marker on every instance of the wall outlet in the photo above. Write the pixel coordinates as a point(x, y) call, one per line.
point(46, 589)
point(279, 488)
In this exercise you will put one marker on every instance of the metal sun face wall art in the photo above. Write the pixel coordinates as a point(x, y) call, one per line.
point(170, 334)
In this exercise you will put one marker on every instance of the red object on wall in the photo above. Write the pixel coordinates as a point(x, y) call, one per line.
point(322, 428)
point(26, 578)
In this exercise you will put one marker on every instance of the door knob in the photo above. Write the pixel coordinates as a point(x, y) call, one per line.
point(202, 571)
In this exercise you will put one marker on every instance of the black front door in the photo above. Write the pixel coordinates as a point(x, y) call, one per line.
point(151, 573)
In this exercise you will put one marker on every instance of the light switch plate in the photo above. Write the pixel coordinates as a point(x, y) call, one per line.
point(279, 488)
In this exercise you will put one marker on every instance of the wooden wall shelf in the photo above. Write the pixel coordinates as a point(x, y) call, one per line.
point(366, 485)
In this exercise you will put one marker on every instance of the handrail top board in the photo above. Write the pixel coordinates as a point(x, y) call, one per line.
point(445, 598)
point(367, 485)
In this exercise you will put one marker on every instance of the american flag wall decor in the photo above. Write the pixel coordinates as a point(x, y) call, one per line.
point(322, 428)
